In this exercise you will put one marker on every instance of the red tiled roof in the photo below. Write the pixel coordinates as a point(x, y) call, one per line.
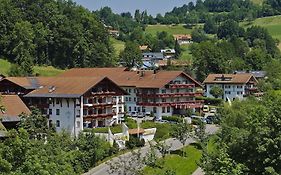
point(182, 36)
point(141, 79)
point(13, 106)
point(29, 82)
point(230, 78)
point(136, 131)
point(69, 87)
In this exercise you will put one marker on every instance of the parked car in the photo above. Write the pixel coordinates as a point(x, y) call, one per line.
point(205, 108)
point(213, 110)
point(140, 115)
point(147, 114)
point(209, 119)
point(134, 114)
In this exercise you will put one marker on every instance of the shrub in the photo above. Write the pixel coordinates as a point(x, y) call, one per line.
point(172, 118)
point(210, 101)
point(134, 142)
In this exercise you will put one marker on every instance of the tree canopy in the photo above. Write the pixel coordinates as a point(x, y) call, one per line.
point(250, 138)
point(49, 32)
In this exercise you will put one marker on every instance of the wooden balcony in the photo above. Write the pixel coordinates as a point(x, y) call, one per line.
point(103, 93)
point(42, 106)
point(176, 86)
point(168, 95)
point(98, 116)
point(188, 104)
point(106, 104)
point(251, 89)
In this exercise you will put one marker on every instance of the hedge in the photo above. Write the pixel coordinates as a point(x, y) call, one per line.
point(210, 101)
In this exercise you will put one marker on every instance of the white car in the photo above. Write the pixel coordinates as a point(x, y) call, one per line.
point(213, 110)
point(205, 108)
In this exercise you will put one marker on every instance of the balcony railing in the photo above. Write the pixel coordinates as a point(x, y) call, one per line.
point(103, 93)
point(175, 86)
point(173, 104)
point(98, 104)
point(97, 116)
point(251, 88)
point(167, 95)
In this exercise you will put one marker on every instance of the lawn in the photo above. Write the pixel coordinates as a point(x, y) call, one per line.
point(181, 165)
point(172, 29)
point(46, 71)
point(272, 24)
point(185, 54)
point(259, 2)
point(163, 130)
point(4, 66)
point(40, 70)
point(118, 45)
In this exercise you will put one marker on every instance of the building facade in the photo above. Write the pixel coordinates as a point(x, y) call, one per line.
point(234, 86)
point(160, 93)
point(75, 103)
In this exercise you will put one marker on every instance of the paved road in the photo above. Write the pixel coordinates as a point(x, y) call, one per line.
point(103, 168)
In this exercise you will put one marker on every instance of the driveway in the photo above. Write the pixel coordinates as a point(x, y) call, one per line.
point(103, 168)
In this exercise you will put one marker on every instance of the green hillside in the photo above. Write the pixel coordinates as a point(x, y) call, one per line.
point(257, 1)
point(172, 29)
point(272, 24)
point(118, 45)
point(41, 70)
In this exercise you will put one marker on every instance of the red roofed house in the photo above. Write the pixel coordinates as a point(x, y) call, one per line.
point(235, 86)
point(73, 103)
point(13, 108)
point(162, 93)
point(183, 39)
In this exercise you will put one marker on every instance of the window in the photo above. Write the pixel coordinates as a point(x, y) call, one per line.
point(239, 92)
point(178, 90)
point(168, 109)
point(163, 91)
point(126, 99)
point(163, 99)
point(227, 86)
point(154, 110)
point(143, 109)
point(50, 123)
point(129, 90)
point(57, 101)
point(57, 111)
point(130, 108)
point(78, 124)
point(67, 101)
point(135, 99)
point(163, 109)
point(135, 108)
point(130, 99)
point(135, 91)
point(227, 92)
point(58, 123)
point(120, 109)
point(50, 111)
point(239, 87)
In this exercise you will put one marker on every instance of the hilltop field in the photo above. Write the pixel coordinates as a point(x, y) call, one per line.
point(40, 70)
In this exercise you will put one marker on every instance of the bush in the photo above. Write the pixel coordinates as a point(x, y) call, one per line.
point(135, 142)
point(172, 118)
point(210, 101)
point(195, 121)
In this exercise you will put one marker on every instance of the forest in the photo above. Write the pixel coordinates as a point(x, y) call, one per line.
point(47, 32)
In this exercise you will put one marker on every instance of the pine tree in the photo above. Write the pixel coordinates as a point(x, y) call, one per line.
point(177, 49)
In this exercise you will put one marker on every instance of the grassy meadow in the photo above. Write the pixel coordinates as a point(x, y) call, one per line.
point(272, 24)
point(172, 29)
point(118, 45)
point(181, 165)
point(41, 70)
